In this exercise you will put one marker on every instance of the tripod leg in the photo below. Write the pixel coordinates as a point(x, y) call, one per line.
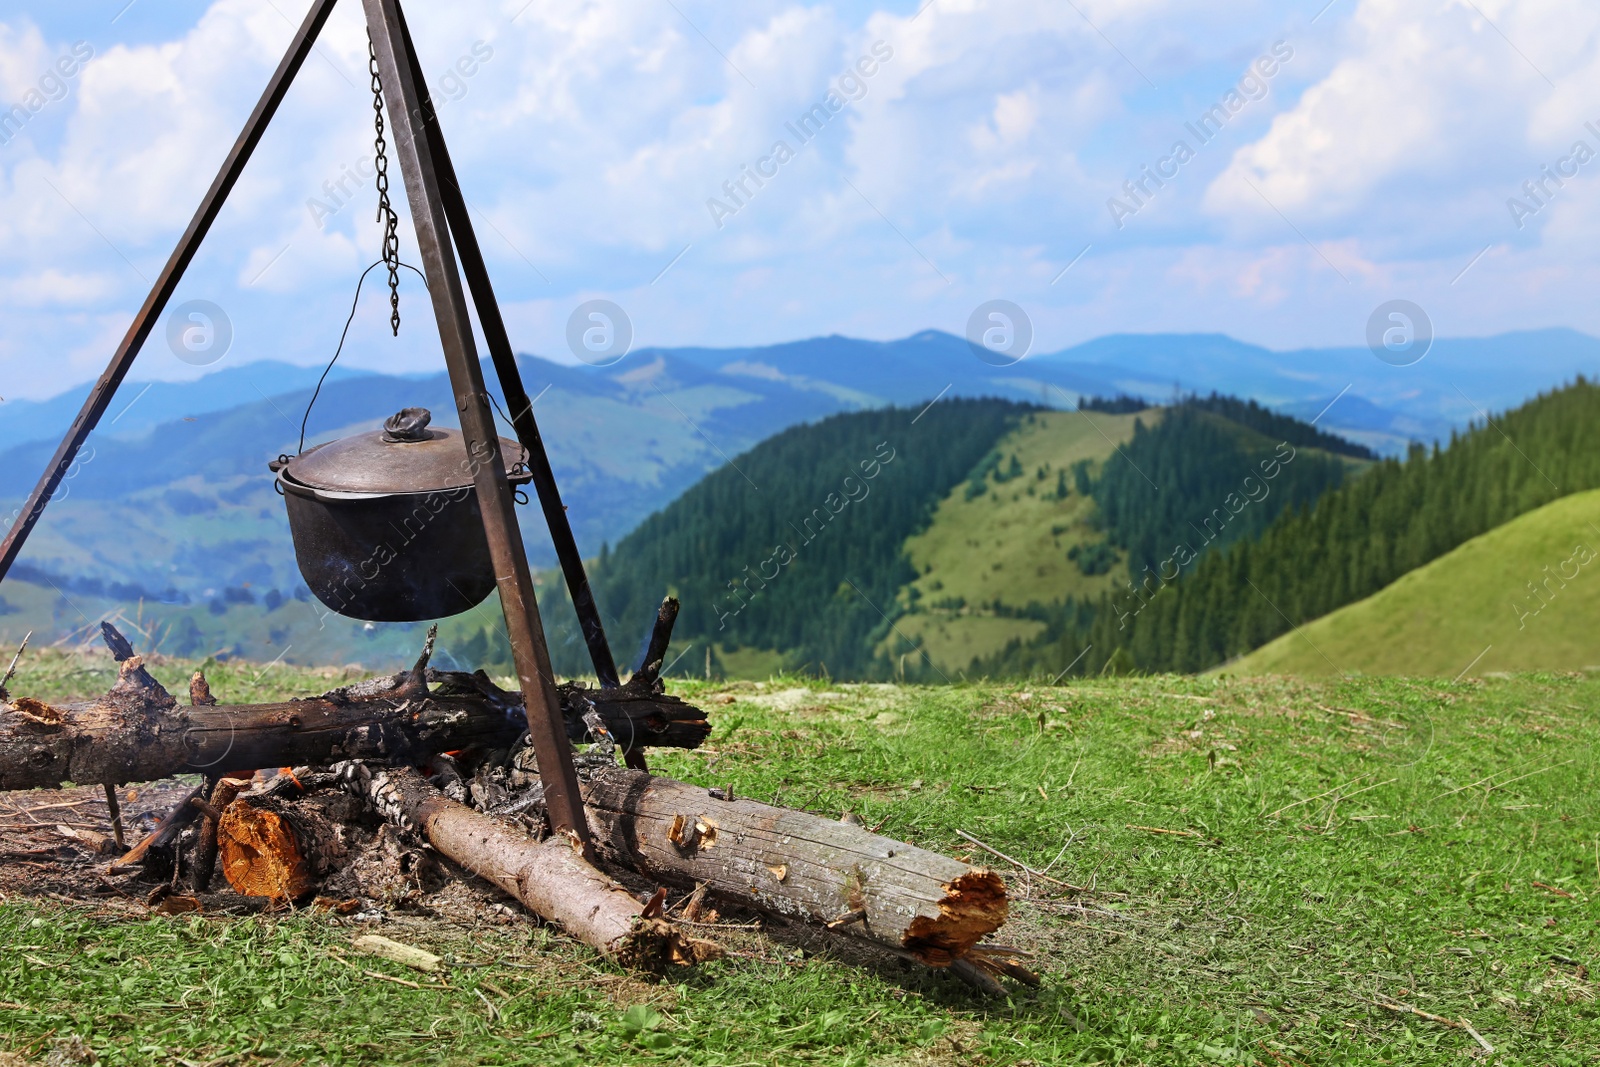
point(505, 365)
point(546, 726)
point(144, 322)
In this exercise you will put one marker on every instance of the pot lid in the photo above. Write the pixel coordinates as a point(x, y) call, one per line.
point(406, 456)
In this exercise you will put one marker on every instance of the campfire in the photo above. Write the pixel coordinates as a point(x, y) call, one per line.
point(417, 522)
point(368, 786)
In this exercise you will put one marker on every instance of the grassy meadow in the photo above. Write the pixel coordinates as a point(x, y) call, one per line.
point(1261, 865)
point(1010, 543)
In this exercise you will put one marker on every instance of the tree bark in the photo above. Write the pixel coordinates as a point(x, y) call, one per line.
point(795, 864)
point(138, 733)
point(551, 877)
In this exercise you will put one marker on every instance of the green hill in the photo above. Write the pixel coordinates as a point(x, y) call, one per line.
point(911, 541)
point(1084, 500)
point(795, 547)
point(861, 545)
point(1260, 860)
point(1524, 596)
point(1206, 480)
point(1348, 545)
point(999, 541)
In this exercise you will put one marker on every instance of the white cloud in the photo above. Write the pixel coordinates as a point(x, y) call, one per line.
point(51, 286)
point(590, 137)
point(24, 59)
point(1429, 119)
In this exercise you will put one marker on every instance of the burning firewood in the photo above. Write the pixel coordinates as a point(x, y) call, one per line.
point(165, 833)
point(284, 838)
point(272, 847)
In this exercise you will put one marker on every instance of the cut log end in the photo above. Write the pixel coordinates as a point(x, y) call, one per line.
point(261, 854)
point(974, 906)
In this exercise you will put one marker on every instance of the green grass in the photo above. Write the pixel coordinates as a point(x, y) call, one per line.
point(1010, 544)
point(1343, 841)
point(1479, 600)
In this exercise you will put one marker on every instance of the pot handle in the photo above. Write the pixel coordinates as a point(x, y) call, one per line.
point(407, 424)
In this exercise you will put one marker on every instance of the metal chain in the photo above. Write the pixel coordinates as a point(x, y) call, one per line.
point(386, 215)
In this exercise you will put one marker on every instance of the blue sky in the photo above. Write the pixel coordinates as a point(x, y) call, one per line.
point(984, 157)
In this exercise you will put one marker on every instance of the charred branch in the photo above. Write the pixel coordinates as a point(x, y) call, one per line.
point(166, 831)
point(648, 676)
point(205, 849)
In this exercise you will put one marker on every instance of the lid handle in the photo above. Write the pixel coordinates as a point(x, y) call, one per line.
point(408, 424)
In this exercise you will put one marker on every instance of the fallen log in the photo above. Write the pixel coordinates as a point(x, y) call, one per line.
point(551, 877)
point(794, 864)
point(638, 714)
point(138, 733)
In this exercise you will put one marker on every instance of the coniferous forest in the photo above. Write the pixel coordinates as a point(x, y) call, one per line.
point(796, 544)
point(1198, 479)
point(1278, 427)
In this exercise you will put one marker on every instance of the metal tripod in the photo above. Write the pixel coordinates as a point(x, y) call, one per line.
point(449, 249)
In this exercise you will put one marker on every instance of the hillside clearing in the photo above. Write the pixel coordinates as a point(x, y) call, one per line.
point(1265, 862)
point(1010, 543)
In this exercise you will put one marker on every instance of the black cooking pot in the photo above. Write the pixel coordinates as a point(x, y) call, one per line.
point(386, 524)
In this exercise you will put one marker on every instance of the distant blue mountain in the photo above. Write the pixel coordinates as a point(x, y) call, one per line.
point(908, 371)
point(139, 406)
point(1383, 406)
point(187, 503)
point(1459, 380)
